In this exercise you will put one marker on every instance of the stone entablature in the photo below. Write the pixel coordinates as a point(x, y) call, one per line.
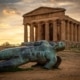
point(41, 17)
point(43, 13)
point(51, 24)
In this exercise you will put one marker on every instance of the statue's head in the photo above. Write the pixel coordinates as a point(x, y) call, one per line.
point(60, 46)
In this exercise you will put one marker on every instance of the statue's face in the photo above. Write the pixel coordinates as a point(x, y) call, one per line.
point(60, 46)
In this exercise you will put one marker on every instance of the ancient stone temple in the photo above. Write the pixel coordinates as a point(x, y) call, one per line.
point(46, 23)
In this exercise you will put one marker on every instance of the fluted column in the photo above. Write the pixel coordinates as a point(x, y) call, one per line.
point(36, 33)
point(54, 31)
point(75, 32)
point(79, 33)
point(39, 31)
point(31, 32)
point(25, 33)
point(63, 25)
point(46, 31)
point(72, 32)
point(68, 31)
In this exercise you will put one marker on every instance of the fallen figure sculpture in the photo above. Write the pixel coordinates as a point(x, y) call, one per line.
point(42, 52)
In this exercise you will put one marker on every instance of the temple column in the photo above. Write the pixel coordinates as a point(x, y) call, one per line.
point(72, 32)
point(79, 33)
point(63, 25)
point(65, 30)
point(46, 31)
point(54, 30)
point(75, 32)
point(31, 32)
point(36, 33)
point(39, 31)
point(68, 31)
point(25, 33)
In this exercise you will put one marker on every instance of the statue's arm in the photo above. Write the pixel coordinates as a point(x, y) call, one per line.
point(50, 63)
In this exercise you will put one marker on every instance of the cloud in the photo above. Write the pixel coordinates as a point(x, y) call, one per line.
point(10, 12)
point(12, 19)
point(76, 1)
point(9, 1)
point(35, 1)
point(65, 4)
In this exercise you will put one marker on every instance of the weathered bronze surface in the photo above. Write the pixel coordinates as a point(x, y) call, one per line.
point(42, 52)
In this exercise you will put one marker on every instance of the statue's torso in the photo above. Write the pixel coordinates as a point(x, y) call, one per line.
point(37, 53)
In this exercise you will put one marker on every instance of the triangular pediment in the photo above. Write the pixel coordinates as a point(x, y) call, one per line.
point(43, 10)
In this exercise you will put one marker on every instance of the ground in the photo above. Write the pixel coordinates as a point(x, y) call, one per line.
point(68, 70)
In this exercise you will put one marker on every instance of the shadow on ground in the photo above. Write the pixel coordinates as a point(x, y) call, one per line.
point(15, 69)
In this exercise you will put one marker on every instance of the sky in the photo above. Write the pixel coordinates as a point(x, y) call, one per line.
point(11, 12)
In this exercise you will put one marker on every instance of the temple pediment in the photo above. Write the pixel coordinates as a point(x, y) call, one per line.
point(44, 10)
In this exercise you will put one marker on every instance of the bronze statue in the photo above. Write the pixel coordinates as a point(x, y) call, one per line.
point(42, 52)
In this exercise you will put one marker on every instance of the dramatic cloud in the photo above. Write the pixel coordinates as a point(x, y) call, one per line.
point(11, 11)
point(76, 1)
point(8, 1)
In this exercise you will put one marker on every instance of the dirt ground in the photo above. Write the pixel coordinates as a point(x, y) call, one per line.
point(68, 70)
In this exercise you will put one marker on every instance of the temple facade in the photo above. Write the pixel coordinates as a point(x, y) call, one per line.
point(46, 23)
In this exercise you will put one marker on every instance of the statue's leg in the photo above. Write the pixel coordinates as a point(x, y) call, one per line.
point(13, 63)
point(59, 60)
point(50, 63)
